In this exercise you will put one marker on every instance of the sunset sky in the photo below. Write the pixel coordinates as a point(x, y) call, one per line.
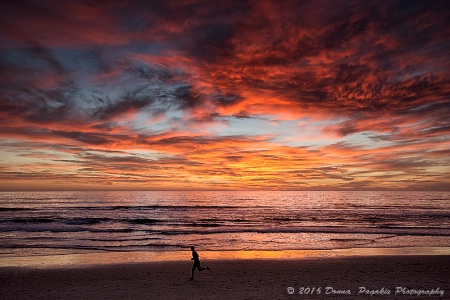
point(286, 95)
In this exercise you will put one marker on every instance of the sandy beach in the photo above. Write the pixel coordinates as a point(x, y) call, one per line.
point(385, 277)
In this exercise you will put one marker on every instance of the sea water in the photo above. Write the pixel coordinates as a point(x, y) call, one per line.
point(54, 223)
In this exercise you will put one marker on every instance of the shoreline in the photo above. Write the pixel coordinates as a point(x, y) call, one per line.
point(116, 258)
point(356, 277)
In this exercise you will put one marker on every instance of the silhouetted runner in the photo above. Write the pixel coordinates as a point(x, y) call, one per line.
point(196, 263)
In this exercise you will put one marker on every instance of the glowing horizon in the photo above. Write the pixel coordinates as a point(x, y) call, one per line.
point(199, 95)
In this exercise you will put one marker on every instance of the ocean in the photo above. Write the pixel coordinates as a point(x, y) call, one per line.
point(57, 223)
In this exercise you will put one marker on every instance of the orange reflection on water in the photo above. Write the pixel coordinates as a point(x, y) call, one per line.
point(111, 258)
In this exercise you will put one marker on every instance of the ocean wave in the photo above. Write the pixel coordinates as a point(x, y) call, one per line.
point(186, 227)
point(31, 220)
point(14, 209)
point(86, 221)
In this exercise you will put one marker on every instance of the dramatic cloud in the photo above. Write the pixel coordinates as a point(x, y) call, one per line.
point(225, 95)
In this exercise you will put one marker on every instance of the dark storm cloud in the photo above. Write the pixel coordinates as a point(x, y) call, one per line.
point(84, 137)
point(344, 58)
point(38, 106)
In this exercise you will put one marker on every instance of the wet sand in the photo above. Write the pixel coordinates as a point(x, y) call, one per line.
point(386, 277)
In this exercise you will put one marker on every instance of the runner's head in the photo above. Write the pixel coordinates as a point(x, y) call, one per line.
point(192, 248)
